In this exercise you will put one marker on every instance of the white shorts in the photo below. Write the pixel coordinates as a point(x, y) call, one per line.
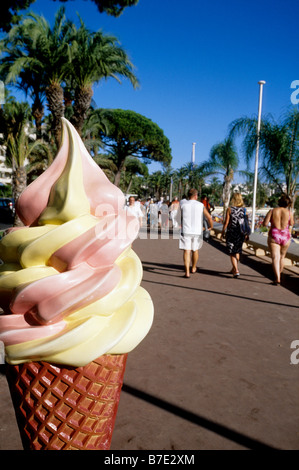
point(191, 242)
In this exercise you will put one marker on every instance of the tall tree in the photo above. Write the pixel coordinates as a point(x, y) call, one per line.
point(35, 51)
point(95, 56)
point(214, 190)
point(182, 181)
point(195, 175)
point(279, 148)
point(131, 134)
point(20, 142)
point(92, 128)
point(155, 184)
point(223, 160)
point(14, 70)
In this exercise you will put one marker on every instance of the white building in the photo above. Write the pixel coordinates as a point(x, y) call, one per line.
point(5, 172)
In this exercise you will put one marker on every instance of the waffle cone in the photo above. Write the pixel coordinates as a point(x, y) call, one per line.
point(65, 408)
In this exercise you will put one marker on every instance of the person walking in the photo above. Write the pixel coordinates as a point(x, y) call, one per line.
point(279, 236)
point(234, 217)
point(191, 230)
point(153, 214)
point(164, 215)
point(134, 209)
point(205, 201)
point(174, 210)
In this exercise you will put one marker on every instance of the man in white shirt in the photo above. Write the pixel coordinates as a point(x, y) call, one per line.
point(191, 230)
point(134, 209)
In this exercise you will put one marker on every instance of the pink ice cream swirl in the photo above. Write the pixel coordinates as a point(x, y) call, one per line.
point(70, 270)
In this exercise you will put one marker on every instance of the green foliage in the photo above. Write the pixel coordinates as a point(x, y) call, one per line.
point(17, 134)
point(272, 201)
point(279, 148)
point(214, 191)
point(223, 159)
point(43, 60)
point(10, 12)
point(95, 55)
point(111, 7)
point(11, 9)
point(5, 191)
point(131, 134)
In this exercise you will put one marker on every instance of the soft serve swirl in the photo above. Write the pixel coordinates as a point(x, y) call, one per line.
point(70, 281)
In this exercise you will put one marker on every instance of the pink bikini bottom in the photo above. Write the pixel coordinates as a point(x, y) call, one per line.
point(281, 237)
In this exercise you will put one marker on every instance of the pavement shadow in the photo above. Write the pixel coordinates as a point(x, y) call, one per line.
point(288, 280)
point(217, 428)
point(220, 293)
point(176, 270)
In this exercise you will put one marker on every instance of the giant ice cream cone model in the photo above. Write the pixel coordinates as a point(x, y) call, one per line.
point(72, 302)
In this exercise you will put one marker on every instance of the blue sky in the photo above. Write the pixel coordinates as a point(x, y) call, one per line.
point(198, 63)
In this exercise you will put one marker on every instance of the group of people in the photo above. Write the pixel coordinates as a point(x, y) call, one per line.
point(279, 235)
point(156, 214)
point(194, 219)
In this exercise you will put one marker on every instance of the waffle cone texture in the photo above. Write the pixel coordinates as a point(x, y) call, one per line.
point(65, 408)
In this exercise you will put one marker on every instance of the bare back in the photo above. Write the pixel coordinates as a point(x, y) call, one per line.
point(280, 218)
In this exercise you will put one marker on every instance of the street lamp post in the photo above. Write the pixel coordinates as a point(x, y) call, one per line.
point(193, 155)
point(261, 83)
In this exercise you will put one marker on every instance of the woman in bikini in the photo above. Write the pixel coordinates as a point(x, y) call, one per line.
point(279, 237)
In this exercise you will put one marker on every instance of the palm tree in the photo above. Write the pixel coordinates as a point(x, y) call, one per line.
point(14, 70)
point(38, 57)
point(182, 182)
point(223, 160)
point(196, 175)
point(215, 190)
point(17, 136)
point(155, 184)
point(95, 56)
point(279, 148)
point(93, 126)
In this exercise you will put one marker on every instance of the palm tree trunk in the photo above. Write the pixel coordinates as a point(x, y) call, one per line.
point(19, 183)
point(130, 184)
point(37, 113)
point(83, 96)
point(118, 173)
point(226, 191)
point(55, 100)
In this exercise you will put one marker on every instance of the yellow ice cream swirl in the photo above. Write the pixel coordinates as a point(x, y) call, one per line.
point(70, 281)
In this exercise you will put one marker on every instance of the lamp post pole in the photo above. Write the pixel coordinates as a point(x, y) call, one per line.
point(261, 84)
point(193, 155)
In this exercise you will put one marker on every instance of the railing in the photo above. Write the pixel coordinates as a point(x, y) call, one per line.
point(258, 243)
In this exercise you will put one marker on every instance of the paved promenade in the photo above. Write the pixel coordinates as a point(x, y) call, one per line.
point(214, 372)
